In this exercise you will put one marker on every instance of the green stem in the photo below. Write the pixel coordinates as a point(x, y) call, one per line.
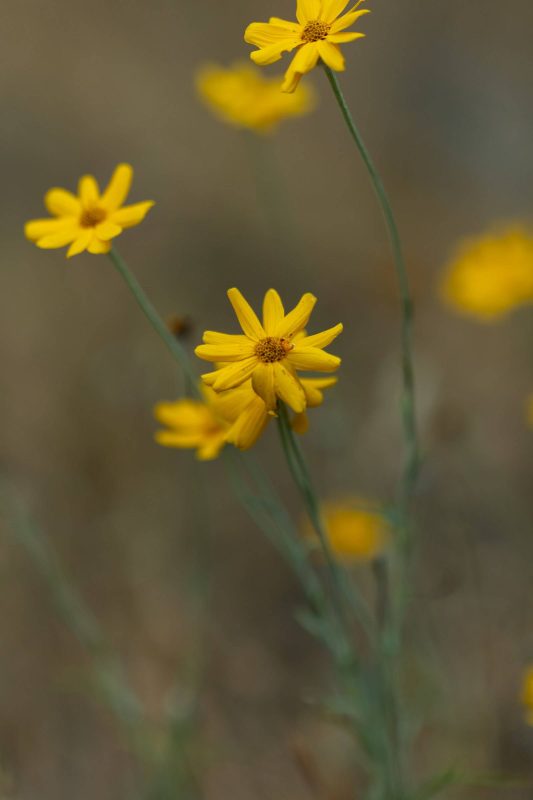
point(177, 351)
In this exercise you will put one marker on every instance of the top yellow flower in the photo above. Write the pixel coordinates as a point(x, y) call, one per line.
point(90, 220)
point(317, 35)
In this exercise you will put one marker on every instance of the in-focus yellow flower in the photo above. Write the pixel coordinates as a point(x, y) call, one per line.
point(527, 694)
point(491, 275)
point(241, 96)
point(237, 416)
point(316, 35)
point(268, 353)
point(90, 220)
point(356, 529)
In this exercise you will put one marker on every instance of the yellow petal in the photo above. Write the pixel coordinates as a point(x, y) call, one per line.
point(321, 339)
point(246, 315)
point(273, 312)
point(107, 230)
point(39, 228)
point(128, 216)
point(263, 384)
point(332, 8)
point(313, 388)
point(292, 27)
point(181, 440)
point(211, 447)
point(264, 34)
point(59, 239)
point(343, 38)
point(331, 56)
point(226, 352)
point(307, 10)
point(233, 375)
point(291, 81)
point(289, 388)
point(214, 337)
point(88, 191)
point(306, 58)
point(80, 243)
point(184, 414)
point(249, 426)
point(297, 318)
point(118, 188)
point(313, 359)
point(62, 203)
point(273, 52)
point(347, 20)
point(97, 246)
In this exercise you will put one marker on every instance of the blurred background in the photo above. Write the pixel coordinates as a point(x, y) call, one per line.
point(442, 93)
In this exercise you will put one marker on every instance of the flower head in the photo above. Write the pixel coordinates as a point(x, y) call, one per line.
point(356, 529)
point(527, 694)
point(90, 219)
point(271, 352)
point(317, 34)
point(237, 416)
point(241, 96)
point(491, 275)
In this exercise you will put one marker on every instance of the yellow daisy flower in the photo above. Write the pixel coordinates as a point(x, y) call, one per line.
point(267, 352)
point(241, 96)
point(356, 529)
point(316, 35)
point(237, 417)
point(527, 694)
point(90, 220)
point(491, 275)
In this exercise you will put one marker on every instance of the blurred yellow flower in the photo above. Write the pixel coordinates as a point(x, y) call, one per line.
point(316, 35)
point(241, 96)
point(90, 220)
point(268, 352)
point(356, 529)
point(527, 694)
point(491, 275)
point(237, 416)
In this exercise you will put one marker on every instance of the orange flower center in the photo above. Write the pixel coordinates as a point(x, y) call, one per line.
point(91, 217)
point(272, 349)
point(315, 31)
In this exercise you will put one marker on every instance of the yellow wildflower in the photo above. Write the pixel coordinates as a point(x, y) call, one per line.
point(356, 529)
point(491, 275)
point(527, 694)
point(241, 96)
point(90, 220)
point(237, 416)
point(267, 352)
point(316, 35)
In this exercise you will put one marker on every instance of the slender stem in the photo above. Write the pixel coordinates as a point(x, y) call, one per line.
point(412, 461)
point(177, 351)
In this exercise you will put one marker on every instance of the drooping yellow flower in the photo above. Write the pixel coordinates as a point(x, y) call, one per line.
point(90, 220)
point(527, 694)
point(316, 35)
point(491, 275)
point(356, 529)
point(267, 352)
point(241, 96)
point(237, 416)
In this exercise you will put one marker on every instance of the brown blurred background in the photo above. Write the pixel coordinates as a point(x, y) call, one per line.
point(442, 92)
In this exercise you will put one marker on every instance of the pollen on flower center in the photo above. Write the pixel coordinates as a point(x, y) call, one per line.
point(91, 217)
point(315, 31)
point(272, 349)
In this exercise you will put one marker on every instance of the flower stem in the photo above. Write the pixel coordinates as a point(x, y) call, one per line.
point(177, 351)
point(412, 461)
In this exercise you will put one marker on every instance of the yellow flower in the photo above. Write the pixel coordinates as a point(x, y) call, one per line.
point(267, 352)
point(241, 96)
point(237, 416)
point(317, 35)
point(491, 275)
point(356, 529)
point(90, 220)
point(527, 694)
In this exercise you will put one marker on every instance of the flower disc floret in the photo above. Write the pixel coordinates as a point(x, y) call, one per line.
point(270, 352)
point(319, 29)
point(90, 219)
